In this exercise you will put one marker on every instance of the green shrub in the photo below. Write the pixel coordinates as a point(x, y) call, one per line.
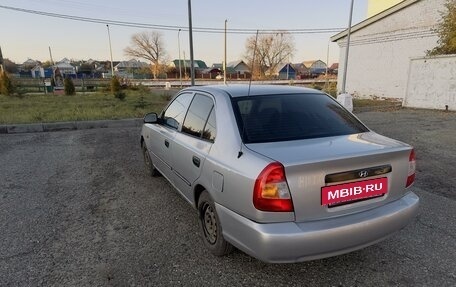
point(68, 87)
point(115, 85)
point(120, 95)
point(141, 103)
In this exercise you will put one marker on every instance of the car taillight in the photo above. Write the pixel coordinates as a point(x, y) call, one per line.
point(271, 191)
point(411, 169)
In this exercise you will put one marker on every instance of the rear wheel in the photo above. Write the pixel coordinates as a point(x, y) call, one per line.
point(211, 230)
point(151, 170)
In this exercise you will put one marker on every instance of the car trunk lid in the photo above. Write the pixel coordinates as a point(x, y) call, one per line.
point(313, 164)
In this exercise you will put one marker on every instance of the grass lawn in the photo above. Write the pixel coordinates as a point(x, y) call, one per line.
point(40, 108)
point(36, 108)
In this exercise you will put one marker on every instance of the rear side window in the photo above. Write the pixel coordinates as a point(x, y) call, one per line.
point(272, 118)
point(209, 130)
point(196, 122)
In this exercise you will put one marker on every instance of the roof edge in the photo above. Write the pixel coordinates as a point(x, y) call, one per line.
point(399, 6)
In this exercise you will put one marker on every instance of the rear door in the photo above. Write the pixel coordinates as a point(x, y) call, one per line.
point(193, 143)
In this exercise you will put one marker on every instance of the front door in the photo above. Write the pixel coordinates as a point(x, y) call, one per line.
point(193, 143)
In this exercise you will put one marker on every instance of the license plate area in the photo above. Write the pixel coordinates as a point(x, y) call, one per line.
point(340, 194)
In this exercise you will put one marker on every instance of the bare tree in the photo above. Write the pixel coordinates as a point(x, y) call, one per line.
point(149, 46)
point(272, 50)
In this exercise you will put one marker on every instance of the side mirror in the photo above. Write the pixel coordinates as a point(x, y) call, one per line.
point(151, 118)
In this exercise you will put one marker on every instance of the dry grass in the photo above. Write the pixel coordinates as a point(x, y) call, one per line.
point(94, 106)
point(36, 108)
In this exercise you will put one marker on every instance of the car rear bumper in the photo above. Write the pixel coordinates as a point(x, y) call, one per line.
point(295, 242)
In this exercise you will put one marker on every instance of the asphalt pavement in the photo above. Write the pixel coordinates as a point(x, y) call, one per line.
point(77, 209)
point(66, 126)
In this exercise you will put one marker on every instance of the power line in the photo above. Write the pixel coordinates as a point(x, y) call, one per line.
point(391, 37)
point(173, 27)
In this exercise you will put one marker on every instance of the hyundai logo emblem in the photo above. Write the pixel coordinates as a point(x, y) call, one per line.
point(363, 173)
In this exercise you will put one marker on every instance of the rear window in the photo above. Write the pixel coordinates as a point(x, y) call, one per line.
point(273, 118)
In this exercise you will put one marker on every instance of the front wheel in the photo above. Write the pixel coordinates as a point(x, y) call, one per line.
point(211, 229)
point(151, 170)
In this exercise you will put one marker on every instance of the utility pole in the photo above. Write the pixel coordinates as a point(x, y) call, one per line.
point(327, 64)
point(190, 31)
point(179, 48)
point(1, 60)
point(344, 75)
point(52, 68)
point(50, 55)
point(185, 66)
point(110, 50)
point(224, 61)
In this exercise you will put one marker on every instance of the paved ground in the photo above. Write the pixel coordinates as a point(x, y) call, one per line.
point(77, 209)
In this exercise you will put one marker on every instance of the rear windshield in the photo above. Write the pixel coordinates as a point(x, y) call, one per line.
point(273, 118)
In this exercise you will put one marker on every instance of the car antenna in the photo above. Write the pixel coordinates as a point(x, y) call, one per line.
point(248, 92)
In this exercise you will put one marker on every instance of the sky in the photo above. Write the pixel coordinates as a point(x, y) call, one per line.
point(24, 35)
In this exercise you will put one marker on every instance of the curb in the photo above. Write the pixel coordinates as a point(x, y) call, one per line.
point(69, 126)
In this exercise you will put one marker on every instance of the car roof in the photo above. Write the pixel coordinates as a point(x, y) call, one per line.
point(255, 90)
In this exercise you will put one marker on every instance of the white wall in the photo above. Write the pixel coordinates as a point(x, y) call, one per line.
point(432, 83)
point(380, 52)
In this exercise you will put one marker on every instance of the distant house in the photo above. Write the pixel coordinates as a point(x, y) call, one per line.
point(315, 67)
point(288, 72)
point(36, 71)
point(40, 72)
point(293, 71)
point(65, 68)
point(130, 66)
point(100, 66)
point(213, 71)
point(85, 68)
point(28, 65)
point(301, 69)
point(217, 66)
point(129, 69)
point(239, 67)
point(199, 65)
point(334, 68)
point(104, 67)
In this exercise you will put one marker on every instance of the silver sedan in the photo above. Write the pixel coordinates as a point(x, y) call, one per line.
point(284, 174)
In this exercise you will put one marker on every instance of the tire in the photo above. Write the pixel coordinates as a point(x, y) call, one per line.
point(150, 168)
point(211, 230)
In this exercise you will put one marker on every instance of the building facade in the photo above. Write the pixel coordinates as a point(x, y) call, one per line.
point(381, 47)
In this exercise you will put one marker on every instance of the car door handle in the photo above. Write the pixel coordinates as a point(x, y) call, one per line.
point(196, 161)
point(166, 143)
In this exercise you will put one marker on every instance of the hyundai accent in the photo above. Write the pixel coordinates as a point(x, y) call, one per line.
point(285, 174)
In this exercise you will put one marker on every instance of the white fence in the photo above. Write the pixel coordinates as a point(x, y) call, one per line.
point(432, 83)
point(200, 82)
